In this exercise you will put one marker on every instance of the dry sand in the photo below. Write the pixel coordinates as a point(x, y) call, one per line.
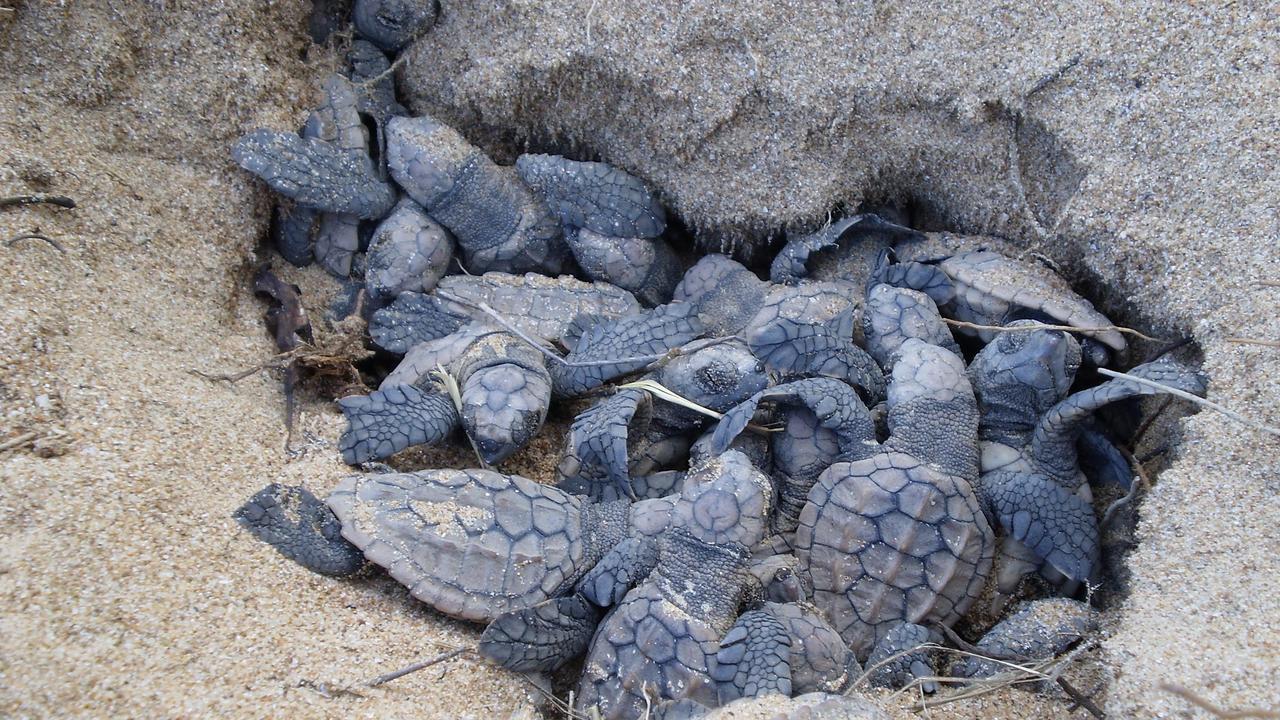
point(1148, 169)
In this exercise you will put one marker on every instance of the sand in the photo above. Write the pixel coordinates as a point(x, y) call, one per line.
point(1147, 168)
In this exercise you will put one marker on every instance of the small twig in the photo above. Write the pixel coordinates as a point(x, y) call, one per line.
point(591, 11)
point(234, 377)
point(1080, 698)
point(37, 236)
point(1065, 328)
point(1267, 283)
point(388, 677)
point(1253, 341)
point(1216, 711)
point(1195, 399)
point(400, 61)
point(18, 441)
point(1054, 76)
point(38, 198)
point(665, 393)
point(1139, 481)
point(327, 692)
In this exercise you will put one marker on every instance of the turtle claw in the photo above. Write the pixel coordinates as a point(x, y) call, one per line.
point(300, 526)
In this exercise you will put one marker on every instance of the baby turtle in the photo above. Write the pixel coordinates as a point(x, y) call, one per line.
point(725, 293)
point(1037, 630)
point(606, 349)
point(1031, 480)
point(845, 250)
point(678, 634)
point(475, 544)
point(392, 24)
point(900, 536)
point(609, 440)
point(498, 222)
point(505, 391)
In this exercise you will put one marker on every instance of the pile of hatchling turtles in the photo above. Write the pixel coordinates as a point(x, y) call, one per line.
point(785, 486)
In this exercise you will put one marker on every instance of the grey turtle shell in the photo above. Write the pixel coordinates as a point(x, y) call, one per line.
point(888, 539)
point(474, 544)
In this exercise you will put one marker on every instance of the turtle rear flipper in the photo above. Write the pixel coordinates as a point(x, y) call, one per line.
point(543, 637)
point(315, 173)
point(1055, 524)
point(300, 526)
point(390, 419)
point(754, 658)
point(912, 662)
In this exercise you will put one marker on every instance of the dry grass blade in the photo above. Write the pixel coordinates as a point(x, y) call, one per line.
point(1214, 710)
point(1253, 341)
point(663, 392)
point(455, 393)
point(1195, 399)
point(18, 441)
point(388, 677)
point(1064, 328)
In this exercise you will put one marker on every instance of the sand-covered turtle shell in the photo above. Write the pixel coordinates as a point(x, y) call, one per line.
point(471, 543)
point(888, 539)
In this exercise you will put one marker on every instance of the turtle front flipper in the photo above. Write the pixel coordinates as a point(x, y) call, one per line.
point(390, 419)
point(315, 173)
point(791, 263)
point(300, 526)
point(933, 414)
point(1053, 443)
point(754, 658)
point(808, 330)
point(594, 196)
point(595, 457)
point(1058, 526)
point(543, 637)
point(643, 335)
point(413, 318)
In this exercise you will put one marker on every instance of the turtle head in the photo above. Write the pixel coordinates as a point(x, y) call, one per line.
point(726, 501)
point(715, 374)
point(1020, 375)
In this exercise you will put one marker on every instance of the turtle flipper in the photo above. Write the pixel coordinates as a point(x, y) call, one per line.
point(412, 319)
point(754, 658)
point(645, 334)
point(927, 278)
point(725, 293)
point(647, 267)
point(595, 460)
point(302, 528)
point(337, 242)
point(621, 569)
point(594, 195)
point(291, 230)
point(1101, 461)
point(390, 419)
point(912, 661)
point(835, 404)
point(809, 330)
point(315, 173)
point(1054, 439)
point(542, 637)
point(791, 263)
point(1056, 525)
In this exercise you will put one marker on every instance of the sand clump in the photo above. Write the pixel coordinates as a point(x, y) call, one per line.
point(1135, 147)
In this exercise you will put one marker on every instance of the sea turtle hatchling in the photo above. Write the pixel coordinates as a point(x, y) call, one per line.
point(505, 392)
point(900, 536)
point(539, 306)
point(1031, 479)
point(679, 633)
